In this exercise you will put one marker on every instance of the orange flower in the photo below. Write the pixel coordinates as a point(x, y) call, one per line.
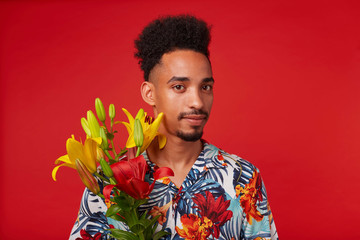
point(109, 203)
point(165, 180)
point(237, 190)
point(250, 194)
point(193, 229)
point(155, 211)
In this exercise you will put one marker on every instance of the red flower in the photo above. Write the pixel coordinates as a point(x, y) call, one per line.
point(213, 213)
point(130, 177)
point(220, 156)
point(86, 236)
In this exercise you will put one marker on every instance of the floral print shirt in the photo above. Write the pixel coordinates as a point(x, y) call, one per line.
point(222, 197)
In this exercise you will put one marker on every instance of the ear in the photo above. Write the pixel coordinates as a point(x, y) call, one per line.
point(147, 90)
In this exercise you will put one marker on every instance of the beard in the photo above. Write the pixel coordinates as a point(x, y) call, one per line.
point(198, 131)
point(190, 137)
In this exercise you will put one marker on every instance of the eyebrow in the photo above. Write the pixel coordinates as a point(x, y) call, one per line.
point(183, 79)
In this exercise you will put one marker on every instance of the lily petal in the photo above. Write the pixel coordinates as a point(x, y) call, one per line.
point(64, 159)
point(136, 188)
point(74, 150)
point(131, 119)
point(156, 124)
point(90, 152)
point(107, 190)
point(54, 171)
point(163, 172)
point(161, 140)
point(128, 127)
point(97, 139)
point(130, 143)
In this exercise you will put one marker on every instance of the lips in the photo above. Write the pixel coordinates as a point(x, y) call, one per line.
point(195, 119)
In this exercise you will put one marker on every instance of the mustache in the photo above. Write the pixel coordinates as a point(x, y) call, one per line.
point(193, 112)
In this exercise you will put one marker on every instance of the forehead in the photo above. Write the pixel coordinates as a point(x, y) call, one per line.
point(181, 63)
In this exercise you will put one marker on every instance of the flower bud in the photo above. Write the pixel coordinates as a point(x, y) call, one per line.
point(86, 177)
point(99, 154)
point(100, 110)
point(104, 142)
point(93, 124)
point(85, 126)
point(138, 133)
point(112, 111)
point(106, 168)
point(140, 114)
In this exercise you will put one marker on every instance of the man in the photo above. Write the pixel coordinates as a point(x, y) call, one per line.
point(213, 195)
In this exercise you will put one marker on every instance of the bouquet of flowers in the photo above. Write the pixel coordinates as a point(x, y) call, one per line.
point(121, 173)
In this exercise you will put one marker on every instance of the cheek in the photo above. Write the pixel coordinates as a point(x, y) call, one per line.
point(167, 100)
point(209, 102)
point(167, 105)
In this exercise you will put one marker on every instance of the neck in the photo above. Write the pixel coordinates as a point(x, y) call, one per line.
point(179, 155)
point(176, 152)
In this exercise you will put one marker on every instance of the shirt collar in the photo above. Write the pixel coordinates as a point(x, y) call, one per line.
point(209, 157)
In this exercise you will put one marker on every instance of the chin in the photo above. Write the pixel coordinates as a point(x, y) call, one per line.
point(190, 137)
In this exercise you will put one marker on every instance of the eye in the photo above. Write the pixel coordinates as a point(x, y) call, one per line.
point(207, 87)
point(178, 87)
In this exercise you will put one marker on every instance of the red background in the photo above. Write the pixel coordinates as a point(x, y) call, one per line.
point(286, 99)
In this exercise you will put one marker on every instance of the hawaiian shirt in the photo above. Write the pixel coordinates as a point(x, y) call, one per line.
point(222, 197)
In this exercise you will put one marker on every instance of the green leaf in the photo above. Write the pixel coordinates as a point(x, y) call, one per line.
point(153, 220)
point(138, 227)
point(159, 235)
point(139, 202)
point(118, 218)
point(123, 203)
point(144, 215)
point(155, 226)
point(120, 234)
point(113, 210)
point(123, 151)
point(130, 200)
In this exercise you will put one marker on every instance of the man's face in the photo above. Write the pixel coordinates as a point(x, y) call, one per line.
point(183, 91)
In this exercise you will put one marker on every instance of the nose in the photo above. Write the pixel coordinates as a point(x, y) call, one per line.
point(195, 99)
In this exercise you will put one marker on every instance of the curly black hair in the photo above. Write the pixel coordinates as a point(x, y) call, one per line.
point(167, 34)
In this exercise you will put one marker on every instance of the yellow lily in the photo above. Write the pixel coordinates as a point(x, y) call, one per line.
point(149, 127)
point(86, 153)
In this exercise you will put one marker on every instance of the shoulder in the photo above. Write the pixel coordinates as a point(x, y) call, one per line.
point(217, 155)
point(242, 170)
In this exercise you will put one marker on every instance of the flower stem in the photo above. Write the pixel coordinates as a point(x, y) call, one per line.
point(113, 148)
point(135, 217)
point(100, 195)
point(108, 155)
point(101, 177)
